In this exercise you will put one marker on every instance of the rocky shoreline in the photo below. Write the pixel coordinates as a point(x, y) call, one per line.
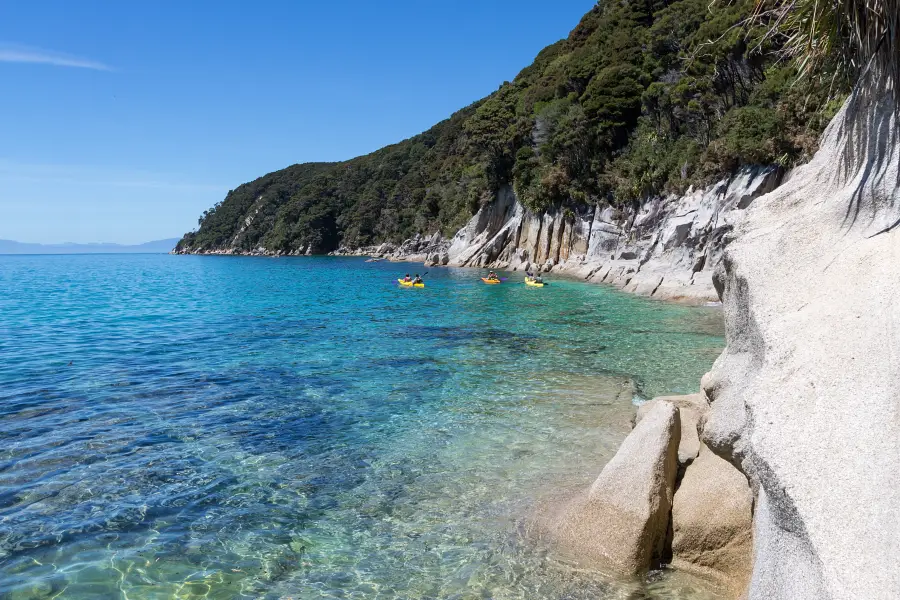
point(781, 478)
point(667, 248)
point(664, 498)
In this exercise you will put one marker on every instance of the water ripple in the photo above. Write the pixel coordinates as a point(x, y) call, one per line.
point(187, 427)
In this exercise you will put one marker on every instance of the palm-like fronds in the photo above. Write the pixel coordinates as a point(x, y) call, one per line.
point(859, 39)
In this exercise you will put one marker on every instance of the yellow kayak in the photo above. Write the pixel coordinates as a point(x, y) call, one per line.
point(532, 282)
point(409, 283)
point(490, 281)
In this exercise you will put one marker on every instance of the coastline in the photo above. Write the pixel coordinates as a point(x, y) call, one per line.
point(737, 483)
point(666, 248)
point(702, 295)
point(728, 483)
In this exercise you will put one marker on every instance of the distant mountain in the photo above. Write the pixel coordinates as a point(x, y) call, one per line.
point(155, 247)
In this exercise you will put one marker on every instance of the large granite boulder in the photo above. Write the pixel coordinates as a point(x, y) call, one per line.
point(622, 521)
point(712, 519)
point(691, 408)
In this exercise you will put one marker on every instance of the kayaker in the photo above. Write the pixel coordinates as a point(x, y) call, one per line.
point(492, 276)
point(407, 278)
point(418, 279)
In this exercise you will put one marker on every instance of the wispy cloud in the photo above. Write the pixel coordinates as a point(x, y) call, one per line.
point(23, 54)
point(98, 177)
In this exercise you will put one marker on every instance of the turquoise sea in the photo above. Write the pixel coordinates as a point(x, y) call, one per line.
point(224, 427)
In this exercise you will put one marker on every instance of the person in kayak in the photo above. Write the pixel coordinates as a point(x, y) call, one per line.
point(492, 276)
point(417, 279)
point(407, 278)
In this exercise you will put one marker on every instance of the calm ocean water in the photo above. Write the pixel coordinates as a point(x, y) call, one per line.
point(219, 427)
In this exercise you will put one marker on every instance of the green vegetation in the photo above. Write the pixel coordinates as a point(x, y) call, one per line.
point(844, 38)
point(643, 97)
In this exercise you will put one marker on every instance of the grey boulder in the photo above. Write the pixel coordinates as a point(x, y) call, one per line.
point(621, 523)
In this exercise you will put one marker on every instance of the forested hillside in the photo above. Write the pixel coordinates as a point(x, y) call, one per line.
point(642, 98)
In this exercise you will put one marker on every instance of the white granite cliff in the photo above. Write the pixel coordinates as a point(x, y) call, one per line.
point(805, 400)
point(795, 489)
point(668, 248)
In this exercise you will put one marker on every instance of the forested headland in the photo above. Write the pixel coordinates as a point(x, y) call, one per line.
point(644, 97)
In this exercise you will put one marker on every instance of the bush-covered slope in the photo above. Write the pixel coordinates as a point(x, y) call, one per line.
point(643, 97)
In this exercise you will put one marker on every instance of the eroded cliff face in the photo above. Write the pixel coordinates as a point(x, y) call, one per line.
point(804, 403)
point(667, 248)
point(806, 398)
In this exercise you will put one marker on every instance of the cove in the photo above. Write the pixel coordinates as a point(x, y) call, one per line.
point(230, 427)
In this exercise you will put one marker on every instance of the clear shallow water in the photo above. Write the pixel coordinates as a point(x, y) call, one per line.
point(219, 427)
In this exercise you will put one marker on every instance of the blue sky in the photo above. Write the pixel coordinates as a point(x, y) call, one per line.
point(123, 121)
